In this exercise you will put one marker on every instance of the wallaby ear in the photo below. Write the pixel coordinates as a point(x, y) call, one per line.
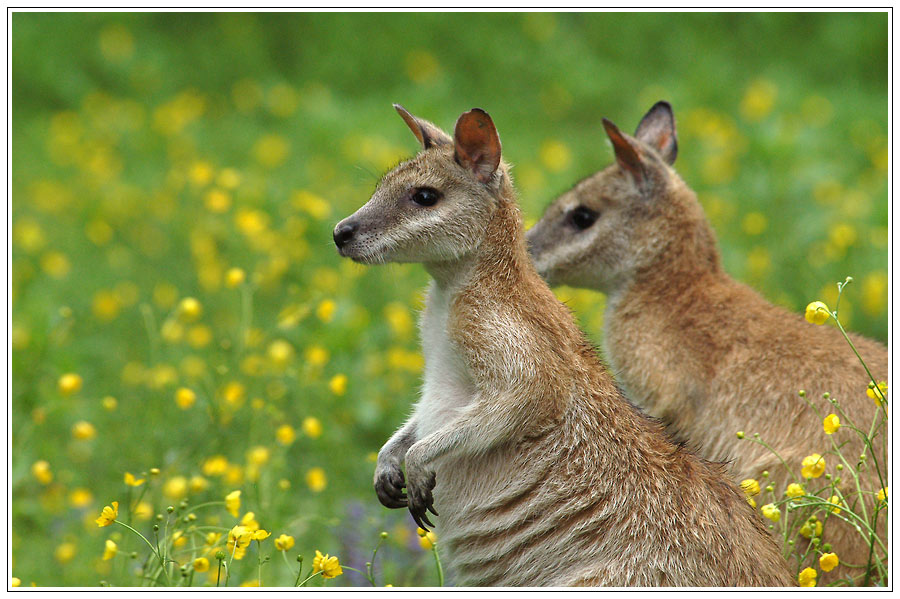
point(427, 133)
point(627, 154)
point(657, 130)
point(477, 144)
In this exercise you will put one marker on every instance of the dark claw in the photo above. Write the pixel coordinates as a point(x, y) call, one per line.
point(389, 487)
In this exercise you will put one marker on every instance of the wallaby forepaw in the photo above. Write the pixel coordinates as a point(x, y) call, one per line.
point(421, 500)
point(389, 486)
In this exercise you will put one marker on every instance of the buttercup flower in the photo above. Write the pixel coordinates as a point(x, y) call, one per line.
point(285, 434)
point(828, 562)
point(110, 551)
point(817, 313)
point(316, 480)
point(312, 427)
point(794, 490)
point(831, 424)
point(108, 515)
point(329, 566)
point(771, 512)
point(69, 383)
point(41, 471)
point(131, 481)
point(234, 277)
point(185, 398)
point(233, 503)
point(883, 494)
point(190, 309)
point(835, 500)
point(260, 535)
point(873, 393)
point(284, 542)
point(239, 539)
point(201, 564)
point(807, 578)
point(750, 486)
point(811, 529)
point(84, 430)
point(813, 466)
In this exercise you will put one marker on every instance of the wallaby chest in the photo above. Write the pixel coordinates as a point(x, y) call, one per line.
point(448, 385)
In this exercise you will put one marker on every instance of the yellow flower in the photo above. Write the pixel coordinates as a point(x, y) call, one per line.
point(280, 352)
point(807, 578)
point(835, 500)
point(828, 562)
point(109, 403)
point(190, 309)
point(325, 310)
point(873, 394)
point(176, 487)
point(284, 542)
point(41, 471)
point(108, 515)
point(65, 552)
point(234, 277)
point(831, 424)
point(771, 512)
point(260, 535)
point(15, 582)
point(201, 564)
point(215, 466)
point(813, 466)
point(238, 541)
point(750, 486)
point(317, 355)
point(315, 479)
point(110, 551)
point(143, 511)
point(329, 566)
point(69, 383)
point(233, 393)
point(338, 384)
point(198, 484)
point(794, 490)
point(233, 503)
point(817, 312)
point(285, 434)
point(249, 522)
point(258, 456)
point(312, 427)
point(811, 529)
point(426, 539)
point(131, 481)
point(80, 497)
point(883, 494)
point(752, 502)
point(84, 430)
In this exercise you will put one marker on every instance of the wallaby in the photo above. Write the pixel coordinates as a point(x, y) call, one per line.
point(692, 346)
point(543, 473)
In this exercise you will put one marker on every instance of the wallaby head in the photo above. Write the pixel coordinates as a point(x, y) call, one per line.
point(434, 207)
point(623, 219)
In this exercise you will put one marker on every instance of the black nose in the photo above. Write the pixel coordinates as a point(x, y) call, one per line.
point(343, 233)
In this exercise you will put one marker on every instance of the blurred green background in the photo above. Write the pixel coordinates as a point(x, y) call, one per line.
point(153, 153)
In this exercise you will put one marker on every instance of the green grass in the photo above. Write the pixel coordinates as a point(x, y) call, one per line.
point(123, 125)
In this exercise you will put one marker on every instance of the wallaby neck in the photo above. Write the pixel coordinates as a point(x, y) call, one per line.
point(501, 253)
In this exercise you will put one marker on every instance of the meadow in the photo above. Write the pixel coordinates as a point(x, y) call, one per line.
point(182, 327)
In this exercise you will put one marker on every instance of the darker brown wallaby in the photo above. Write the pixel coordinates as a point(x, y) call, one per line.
point(691, 345)
point(542, 472)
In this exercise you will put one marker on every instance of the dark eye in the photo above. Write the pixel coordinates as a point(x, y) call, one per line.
point(426, 196)
point(582, 217)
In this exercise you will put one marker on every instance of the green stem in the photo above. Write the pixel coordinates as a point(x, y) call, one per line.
point(437, 561)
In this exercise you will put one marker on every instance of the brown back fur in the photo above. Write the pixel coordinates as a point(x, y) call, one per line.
point(543, 473)
point(696, 348)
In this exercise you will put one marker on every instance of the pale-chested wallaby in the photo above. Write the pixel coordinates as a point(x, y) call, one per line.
point(692, 346)
point(543, 473)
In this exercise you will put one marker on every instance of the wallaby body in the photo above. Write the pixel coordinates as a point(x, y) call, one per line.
point(692, 346)
point(543, 473)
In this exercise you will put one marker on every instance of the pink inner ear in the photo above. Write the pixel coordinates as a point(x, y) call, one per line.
point(663, 141)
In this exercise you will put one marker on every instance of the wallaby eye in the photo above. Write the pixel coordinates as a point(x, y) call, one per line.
point(426, 196)
point(582, 217)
